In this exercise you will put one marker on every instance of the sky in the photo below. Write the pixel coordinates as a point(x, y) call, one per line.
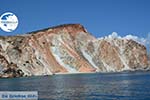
point(99, 17)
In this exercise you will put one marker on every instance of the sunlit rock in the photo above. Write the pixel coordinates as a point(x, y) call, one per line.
point(68, 49)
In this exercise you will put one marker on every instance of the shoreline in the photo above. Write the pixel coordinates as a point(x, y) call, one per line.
point(80, 73)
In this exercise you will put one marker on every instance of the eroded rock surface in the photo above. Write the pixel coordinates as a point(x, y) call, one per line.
point(68, 49)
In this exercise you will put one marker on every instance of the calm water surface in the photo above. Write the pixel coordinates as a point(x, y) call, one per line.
point(110, 86)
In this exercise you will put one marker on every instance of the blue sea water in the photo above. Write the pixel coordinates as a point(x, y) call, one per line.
point(97, 86)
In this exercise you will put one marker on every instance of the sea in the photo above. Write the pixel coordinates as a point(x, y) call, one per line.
point(90, 86)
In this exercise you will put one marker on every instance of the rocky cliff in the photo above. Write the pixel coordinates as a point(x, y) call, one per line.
point(68, 49)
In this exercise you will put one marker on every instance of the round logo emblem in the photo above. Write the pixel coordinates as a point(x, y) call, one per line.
point(8, 22)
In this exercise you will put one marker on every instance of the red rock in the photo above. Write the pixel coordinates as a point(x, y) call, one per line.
point(68, 48)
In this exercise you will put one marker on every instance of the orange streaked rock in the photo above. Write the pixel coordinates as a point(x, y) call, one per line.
point(68, 48)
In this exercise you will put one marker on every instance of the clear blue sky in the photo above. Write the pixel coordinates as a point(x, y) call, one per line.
point(100, 17)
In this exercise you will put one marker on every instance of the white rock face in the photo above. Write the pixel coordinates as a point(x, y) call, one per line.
point(68, 49)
